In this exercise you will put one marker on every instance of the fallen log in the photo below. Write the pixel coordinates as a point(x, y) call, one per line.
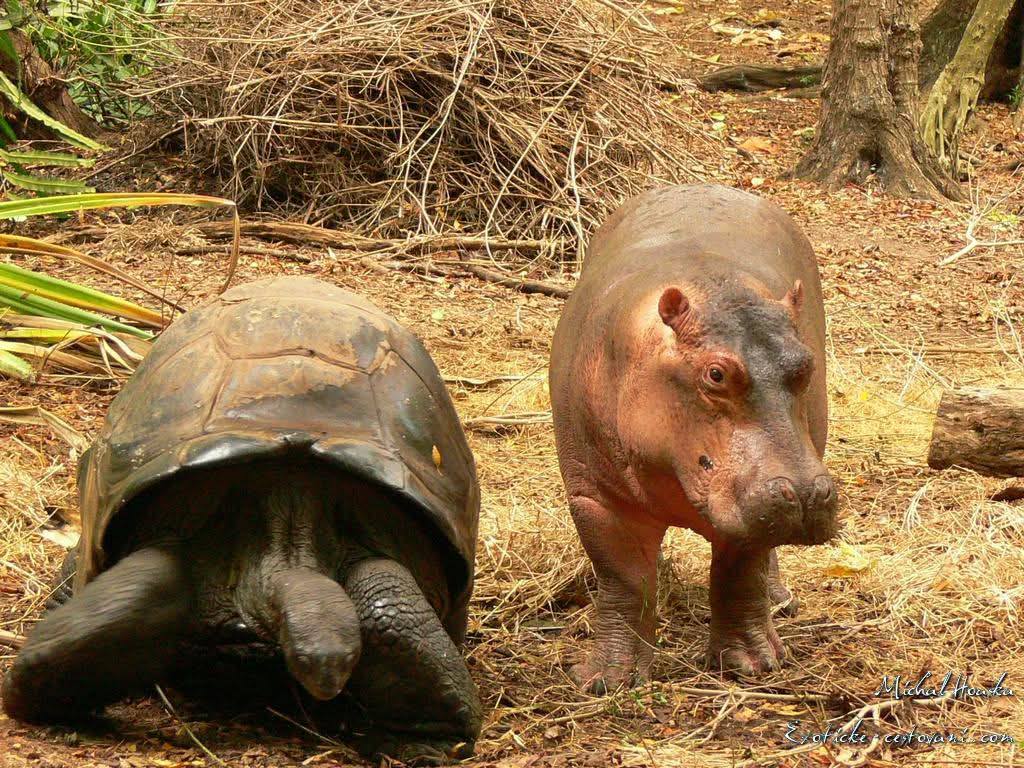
point(980, 429)
point(755, 77)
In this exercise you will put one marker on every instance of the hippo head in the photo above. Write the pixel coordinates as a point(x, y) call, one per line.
point(739, 375)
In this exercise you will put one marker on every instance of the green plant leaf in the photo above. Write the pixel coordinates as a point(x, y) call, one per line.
point(6, 46)
point(75, 295)
point(7, 134)
point(46, 159)
point(23, 103)
point(73, 203)
point(14, 367)
point(45, 185)
point(29, 304)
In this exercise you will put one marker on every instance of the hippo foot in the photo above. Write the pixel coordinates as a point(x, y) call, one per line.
point(750, 651)
point(422, 751)
point(601, 678)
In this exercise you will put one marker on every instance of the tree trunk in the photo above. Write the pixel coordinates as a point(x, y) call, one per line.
point(980, 429)
point(942, 32)
point(954, 95)
point(868, 120)
point(45, 88)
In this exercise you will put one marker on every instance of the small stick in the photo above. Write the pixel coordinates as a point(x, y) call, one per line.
point(11, 640)
point(465, 381)
point(510, 420)
point(426, 272)
point(973, 242)
point(191, 735)
point(248, 250)
point(929, 350)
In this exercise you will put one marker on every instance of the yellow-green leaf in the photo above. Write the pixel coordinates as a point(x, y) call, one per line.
point(40, 206)
point(75, 295)
point(27, 303)
point(14, 367)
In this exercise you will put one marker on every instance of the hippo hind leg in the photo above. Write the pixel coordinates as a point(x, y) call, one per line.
point(778, 593)
point(117, 635)
point(412, 683)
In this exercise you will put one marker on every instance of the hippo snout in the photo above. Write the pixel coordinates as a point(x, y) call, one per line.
point(784, 511)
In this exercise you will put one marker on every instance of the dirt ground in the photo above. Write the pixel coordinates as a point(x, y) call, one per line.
point(928, 572)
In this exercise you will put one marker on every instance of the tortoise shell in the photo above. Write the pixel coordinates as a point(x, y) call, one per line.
point(284, 367)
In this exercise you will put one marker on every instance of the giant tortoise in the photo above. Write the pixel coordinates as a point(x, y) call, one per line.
point(285, 468)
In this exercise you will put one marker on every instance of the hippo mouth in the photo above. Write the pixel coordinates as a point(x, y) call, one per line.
point(747, 527)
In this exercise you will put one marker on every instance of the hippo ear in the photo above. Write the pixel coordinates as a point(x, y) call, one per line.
point(794, 298)
point(673, 308)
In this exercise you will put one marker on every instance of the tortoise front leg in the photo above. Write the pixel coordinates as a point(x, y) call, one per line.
point(117, 635)
point(62, 585)
point(412, 682)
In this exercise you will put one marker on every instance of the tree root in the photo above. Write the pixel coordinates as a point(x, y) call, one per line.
point(955, 93)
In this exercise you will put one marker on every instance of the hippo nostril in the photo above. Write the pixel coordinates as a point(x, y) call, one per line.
point(783, 493)
point(824, 491)
point(788, 492)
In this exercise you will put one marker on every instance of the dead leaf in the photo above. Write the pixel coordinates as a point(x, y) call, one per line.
point(759, 144)
point(744, 715)
point(62, 537)
point(33, 414)
point(848, 561)
point(554, 732)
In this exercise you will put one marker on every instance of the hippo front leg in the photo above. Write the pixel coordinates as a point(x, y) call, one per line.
point(624, 553)
point(743, 639)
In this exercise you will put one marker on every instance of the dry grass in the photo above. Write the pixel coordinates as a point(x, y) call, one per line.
point(928, 578)
point(516, 118)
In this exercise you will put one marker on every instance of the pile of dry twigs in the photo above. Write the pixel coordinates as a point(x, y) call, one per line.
point(508, 118)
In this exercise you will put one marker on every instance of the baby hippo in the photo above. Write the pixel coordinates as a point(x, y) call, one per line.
point(688, 389)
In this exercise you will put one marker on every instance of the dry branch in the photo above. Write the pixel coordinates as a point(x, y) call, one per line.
point(980, 429)
point(307, 234)
point(521, 285)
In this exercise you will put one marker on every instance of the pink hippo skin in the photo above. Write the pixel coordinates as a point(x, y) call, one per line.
point(688, 389)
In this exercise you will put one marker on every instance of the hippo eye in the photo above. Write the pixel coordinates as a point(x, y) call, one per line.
point(716, 374)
